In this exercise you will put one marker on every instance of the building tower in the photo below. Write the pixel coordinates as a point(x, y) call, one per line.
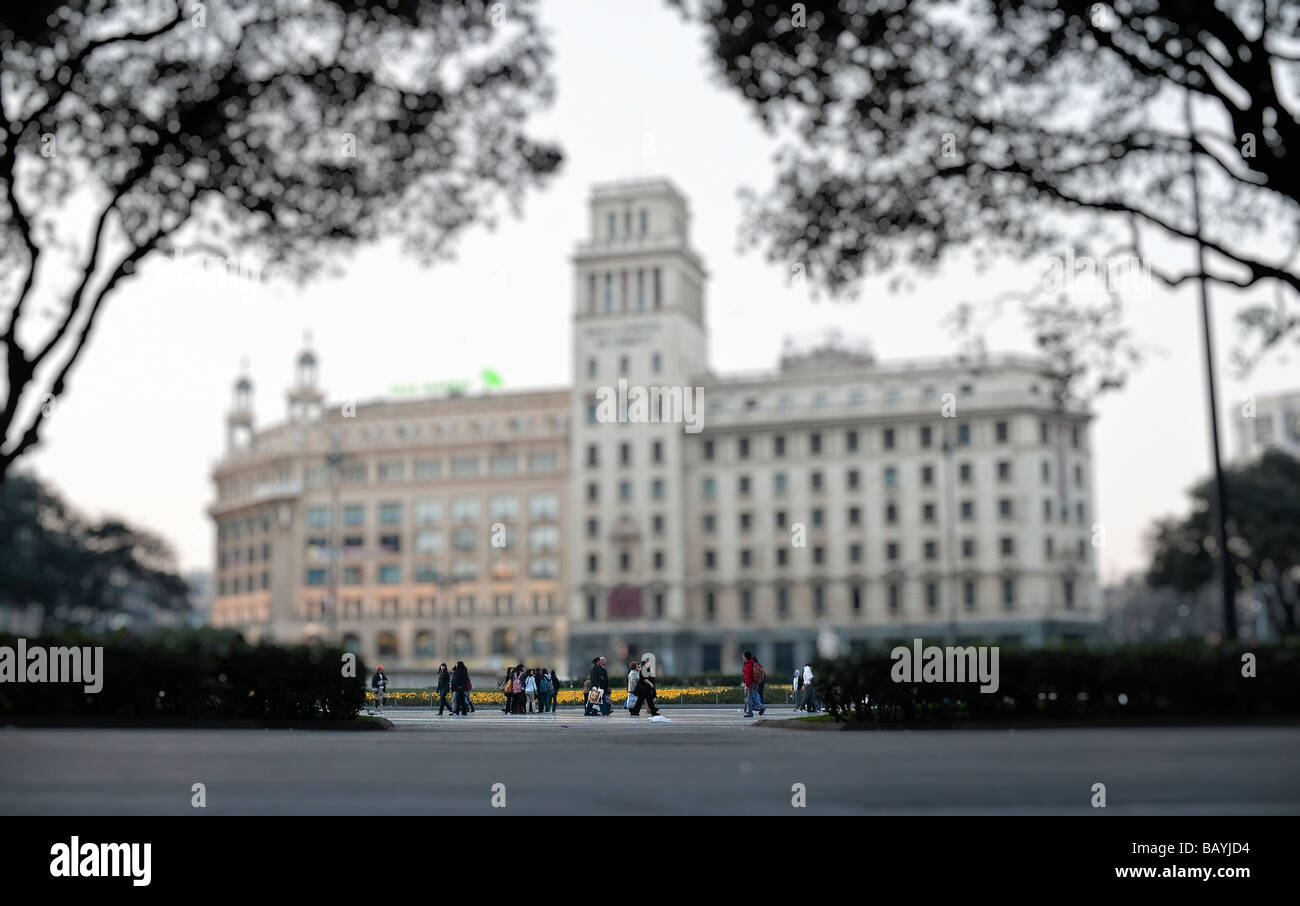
point(305, 398)
point(239, 420)
point(638, 323)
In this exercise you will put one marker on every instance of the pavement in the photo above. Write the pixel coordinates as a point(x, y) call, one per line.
point(704, 761)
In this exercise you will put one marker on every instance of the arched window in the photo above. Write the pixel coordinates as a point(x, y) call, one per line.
point(425, 644)
point(388, 645)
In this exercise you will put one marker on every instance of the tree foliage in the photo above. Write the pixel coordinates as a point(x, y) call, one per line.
point(55, 557)
point(289, 130)
point(916, 129)
point(1263, 537)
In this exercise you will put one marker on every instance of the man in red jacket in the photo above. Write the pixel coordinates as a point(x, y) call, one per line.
point(754, 676)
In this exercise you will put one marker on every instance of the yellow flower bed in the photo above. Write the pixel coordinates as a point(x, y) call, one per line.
point(690, 695)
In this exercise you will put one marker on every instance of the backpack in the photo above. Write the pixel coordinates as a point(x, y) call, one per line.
point(546, 684)
point(757, 675)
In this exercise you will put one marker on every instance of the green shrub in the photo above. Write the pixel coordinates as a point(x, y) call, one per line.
point(1187, 679)
point(195, 675)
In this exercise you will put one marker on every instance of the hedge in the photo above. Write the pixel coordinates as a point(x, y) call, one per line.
point(204, 674)
point(723, 695)
point(1189, 679)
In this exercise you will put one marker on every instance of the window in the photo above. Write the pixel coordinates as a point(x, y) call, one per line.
point(1047, 472)
point(1004, 470)
point(968, 547)
point(593, 528)
point(1000, 432)
point(645, 221)
point(780, 519)
point(888, 437)
point(857, 601)
point(931, 550)
point(742, 448)
point(390, 471)
point(428, 542)
point(352, 575)
point(1078, 476)
point(428, 512)
point(853, 479)
point(1049, 548)
point(593, 492)
point(591, 367)
point(708, 451)
point(1069, 595)
point(780, 483)
point(742, 485)
point(894, 599)
point(855, 515)
point(783, 603)
point(622, 365)
point(318, 517)
point(1008, 547)
point(464, 465)
point(815, 480)
point(314, 577)
point(1043, 435)
point(609, 292)
point(818, 517)
point(851, 441)
point(815, 444)
point(1074, 437)
point(746, 558)
point(1047, 509)
point(711, 611)
point(782, 556)
point(390, 514)
point(710, 559)
point(657, 489)
point(964, 473)
point(613, 227)
point(963, 435)
point(625, 490)
point(967, 510)
point(504, 507)
point(1009, 594)
point(464, 539)
point(746, 521)
point(657, 525)
point(931, 596)
point(927, 436)
point(390, 574)
point(710, 523)
point(891, 513)
point(927, 512)
point(658, 560)
point(819, 600)
point(543, 507)
point(1004, 508)
point(891, 477)
point(778, 446)
point(968, 595)
point(927, 476)
point(505, 464)
point(464, 509)
point(891, 551)
point(593, 564)
point(657, 451)
point(855, 553)
point(593, 455)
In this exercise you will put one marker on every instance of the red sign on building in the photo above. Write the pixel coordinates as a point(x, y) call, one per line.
point(625, 603)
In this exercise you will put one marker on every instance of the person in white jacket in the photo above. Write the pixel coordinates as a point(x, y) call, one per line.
point(797, 688)
point(530, 691)
point(809, 693)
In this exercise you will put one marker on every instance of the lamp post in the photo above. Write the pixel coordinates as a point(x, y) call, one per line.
point(949, 448)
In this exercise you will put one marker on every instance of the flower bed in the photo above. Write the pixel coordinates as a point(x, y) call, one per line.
point(693, 695)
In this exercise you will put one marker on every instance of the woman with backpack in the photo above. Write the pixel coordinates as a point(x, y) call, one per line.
point(555, 690)
point(508, 687)
point(517, 685)
point(530, 690)
point(544, 692)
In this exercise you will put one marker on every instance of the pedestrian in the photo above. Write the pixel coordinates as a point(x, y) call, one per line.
point(517, 684)
point(796, 685)
point(811, 703)
point(599, 684)
point(754, 676)
point(460, 686)
point(633, 685)
point(544, 692)
point(444, 686)
point(645, 686)
point(469, 689)
point(379, 683)
point(530, 690)
point(555, 690)
point(508, 687)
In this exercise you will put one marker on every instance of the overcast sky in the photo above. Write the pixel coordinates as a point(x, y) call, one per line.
point(143, 422)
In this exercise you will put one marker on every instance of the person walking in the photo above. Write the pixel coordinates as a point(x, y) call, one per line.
point(444, 686)
point(555, 690)
point(530, 691)
point(598, 680)
point(469, 688)
point(633, 686)
point(810, 700)
point(379, 683)
point(754, 675)
point(645, 687)
point(796, 685)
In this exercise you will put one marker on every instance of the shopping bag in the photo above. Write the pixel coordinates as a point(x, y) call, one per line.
point(631, 702)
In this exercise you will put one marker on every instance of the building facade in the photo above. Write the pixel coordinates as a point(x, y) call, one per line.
point(834, 502)
point(1270, 422)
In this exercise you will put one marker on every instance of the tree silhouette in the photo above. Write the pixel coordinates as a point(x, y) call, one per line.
point(289, 129)
point(1263, 537)
point(919, 128)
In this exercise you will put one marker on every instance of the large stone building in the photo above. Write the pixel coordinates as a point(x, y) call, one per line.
point(657, 505)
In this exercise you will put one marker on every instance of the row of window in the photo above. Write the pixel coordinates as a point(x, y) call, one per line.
point(625, 290)
point(544, 567)
point(746, 557)
point(240, 556)
point(503, 605)
point(853, 515)
point(502, 642)
point(889, 476)
point(890, 397)
point(625, 366)
point(927, 438)
point(541, 537)
point(542, 506)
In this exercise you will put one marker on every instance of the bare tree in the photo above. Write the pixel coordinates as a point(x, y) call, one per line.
point(289, 129)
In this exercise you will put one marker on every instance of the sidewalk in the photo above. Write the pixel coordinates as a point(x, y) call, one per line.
point(691, 715)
